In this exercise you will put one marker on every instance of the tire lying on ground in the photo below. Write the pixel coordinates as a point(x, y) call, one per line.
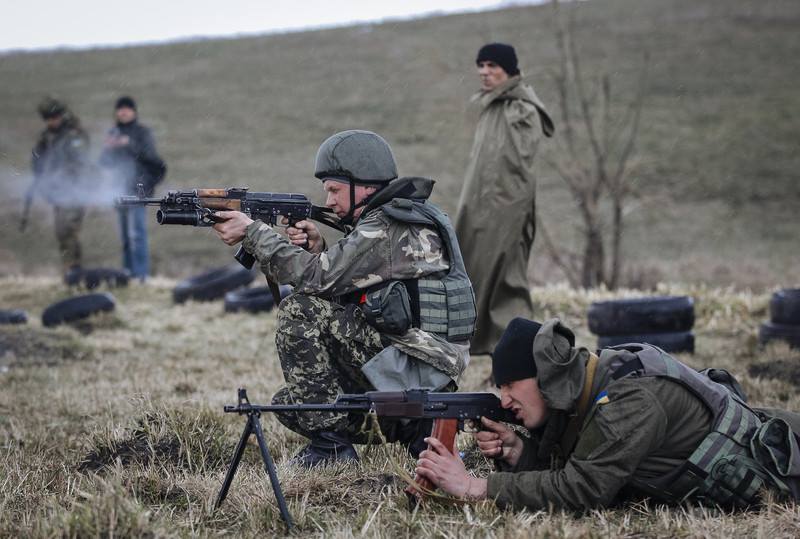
point(784, 307)
point(680, 341)
point(77, 308)
point(93, 277)
point(13, 316)
point(253, 300)
point(667, 314)
point(212, 284)
point(770, 331)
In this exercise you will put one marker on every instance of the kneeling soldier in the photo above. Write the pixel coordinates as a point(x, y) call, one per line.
point(634, 422)
point(388, 307)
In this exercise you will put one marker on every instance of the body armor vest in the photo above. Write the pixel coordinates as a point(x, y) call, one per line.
point(738, 456)
point(446, 304)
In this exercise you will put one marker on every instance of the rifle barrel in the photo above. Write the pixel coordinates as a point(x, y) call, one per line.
point(136, 201)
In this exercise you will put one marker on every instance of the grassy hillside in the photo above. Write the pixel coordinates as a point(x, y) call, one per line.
point(717, 156)
point(114, 427)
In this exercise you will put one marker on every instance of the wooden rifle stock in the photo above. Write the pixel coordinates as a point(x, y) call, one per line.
point(445, 431)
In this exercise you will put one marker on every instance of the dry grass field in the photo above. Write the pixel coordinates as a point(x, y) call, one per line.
point(113, 427)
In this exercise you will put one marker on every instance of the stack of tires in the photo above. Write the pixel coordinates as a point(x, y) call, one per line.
point(665, 321)
point(784, 324)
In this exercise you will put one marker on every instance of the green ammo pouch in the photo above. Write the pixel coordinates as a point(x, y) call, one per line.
point(388, 309)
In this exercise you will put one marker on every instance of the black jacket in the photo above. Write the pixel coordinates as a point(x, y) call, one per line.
point(138, 161)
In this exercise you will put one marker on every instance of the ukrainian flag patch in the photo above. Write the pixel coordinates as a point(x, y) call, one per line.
point(602, 398)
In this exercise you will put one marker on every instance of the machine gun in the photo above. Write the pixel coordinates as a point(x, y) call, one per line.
point(449, 411)
point(198, 207)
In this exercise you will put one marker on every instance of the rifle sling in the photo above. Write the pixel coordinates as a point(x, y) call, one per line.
point(570, 435)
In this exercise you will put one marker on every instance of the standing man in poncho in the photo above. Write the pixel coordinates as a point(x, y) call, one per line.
point(495, 221)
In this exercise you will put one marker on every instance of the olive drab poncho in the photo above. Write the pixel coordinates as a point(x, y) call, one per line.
point(495, 221)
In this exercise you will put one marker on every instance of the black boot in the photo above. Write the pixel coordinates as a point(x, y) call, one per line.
point(326, 447)
point(412, 435)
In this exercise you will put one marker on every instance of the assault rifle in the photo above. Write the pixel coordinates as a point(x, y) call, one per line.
point(449, 412)
point(198, 207)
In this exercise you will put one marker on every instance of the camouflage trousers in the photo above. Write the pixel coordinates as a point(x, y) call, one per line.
point(68, 222)
point(322, 347)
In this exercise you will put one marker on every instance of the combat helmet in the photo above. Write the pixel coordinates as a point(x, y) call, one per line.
point(359, 156)
point(356, 157)
point(50, 107)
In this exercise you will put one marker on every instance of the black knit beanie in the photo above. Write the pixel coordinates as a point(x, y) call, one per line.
point(512, 359)
point(501, 54)
point(125, 102)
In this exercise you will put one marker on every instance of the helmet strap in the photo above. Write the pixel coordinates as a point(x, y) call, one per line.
point(349, 219)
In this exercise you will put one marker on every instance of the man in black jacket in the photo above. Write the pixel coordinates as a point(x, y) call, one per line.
point(130, 152)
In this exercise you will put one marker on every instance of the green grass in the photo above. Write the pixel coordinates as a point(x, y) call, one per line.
point(126, 435)
point(716, 158)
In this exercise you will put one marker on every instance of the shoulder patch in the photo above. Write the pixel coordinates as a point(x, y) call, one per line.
point(602, 398)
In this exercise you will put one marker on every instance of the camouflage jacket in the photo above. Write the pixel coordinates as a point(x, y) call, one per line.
point(377, 250)
point(59, 162)
point(637, 428)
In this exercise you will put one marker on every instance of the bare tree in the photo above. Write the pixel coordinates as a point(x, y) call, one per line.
point(593, 159)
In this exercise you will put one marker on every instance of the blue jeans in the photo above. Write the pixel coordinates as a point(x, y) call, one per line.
point(133, 232)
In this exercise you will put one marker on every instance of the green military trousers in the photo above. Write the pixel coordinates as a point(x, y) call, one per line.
point(322, 347)
point(68, 222)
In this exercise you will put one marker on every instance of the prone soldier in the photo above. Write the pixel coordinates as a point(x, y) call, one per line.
point(633, 422)
point(388, 307)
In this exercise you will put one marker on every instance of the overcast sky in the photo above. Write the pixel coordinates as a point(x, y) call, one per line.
point(36, 24)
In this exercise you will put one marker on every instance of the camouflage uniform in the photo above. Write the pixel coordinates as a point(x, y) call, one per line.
point(323, 337)
point(322, 347)
point(60, 162)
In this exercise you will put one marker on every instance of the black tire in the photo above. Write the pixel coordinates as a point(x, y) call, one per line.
point(668, 314)
point(784, 307)
point(94, 277)
point(253, 300)
point(771, 331)
point(213, 284)
point(13, 316)
point(682, 341)
point(77, 308)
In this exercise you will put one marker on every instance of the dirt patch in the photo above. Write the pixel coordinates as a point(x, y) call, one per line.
point(135, 450)
point(184, 388)
point(194, 441)
point(376, 484)
point(782, 369)
point(21, 346)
